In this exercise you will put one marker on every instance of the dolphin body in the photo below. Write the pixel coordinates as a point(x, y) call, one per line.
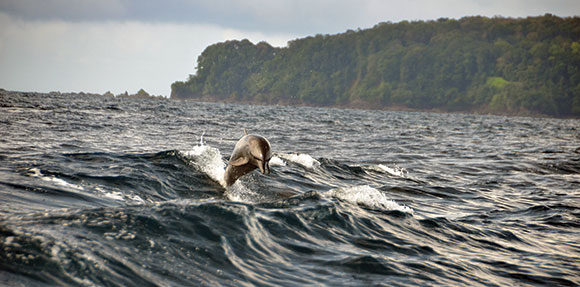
point(250, 152)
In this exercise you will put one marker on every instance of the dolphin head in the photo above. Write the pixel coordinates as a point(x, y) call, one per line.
point(261, 153)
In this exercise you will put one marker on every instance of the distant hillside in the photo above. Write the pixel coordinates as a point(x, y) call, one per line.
point(497, 65)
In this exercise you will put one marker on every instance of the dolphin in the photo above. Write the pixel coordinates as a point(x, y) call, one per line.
point(250, 152)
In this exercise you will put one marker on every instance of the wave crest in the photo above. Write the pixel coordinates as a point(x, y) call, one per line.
point(303, 159)
point(368, 197)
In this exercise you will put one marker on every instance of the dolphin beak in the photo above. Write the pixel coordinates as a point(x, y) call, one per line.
point(264, 167)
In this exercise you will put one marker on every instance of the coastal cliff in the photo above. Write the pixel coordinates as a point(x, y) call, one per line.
point(474, 64)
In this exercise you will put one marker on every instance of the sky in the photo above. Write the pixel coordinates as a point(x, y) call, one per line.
point(97, 46)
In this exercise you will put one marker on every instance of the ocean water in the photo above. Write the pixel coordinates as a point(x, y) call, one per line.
point(113, 192)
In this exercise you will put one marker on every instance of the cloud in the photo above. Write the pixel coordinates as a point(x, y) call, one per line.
point(302, 17)
point(118, 45)
point(54, 55)
point(66, 10)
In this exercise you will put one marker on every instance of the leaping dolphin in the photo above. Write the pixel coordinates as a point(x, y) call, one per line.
point(250, 152)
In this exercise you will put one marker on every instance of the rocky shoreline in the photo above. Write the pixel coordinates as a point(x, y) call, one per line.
point(482, 111)
point(139, 95)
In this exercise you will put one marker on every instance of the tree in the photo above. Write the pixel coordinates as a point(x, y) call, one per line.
point(498, 65)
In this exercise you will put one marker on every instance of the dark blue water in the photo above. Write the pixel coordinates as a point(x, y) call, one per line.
point(112, 192)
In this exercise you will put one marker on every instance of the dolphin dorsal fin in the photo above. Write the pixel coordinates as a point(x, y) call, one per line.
point(245, 132)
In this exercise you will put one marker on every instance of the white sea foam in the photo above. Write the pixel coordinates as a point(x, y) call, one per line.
point(110, 194)
point(208, 160)
point(369, 197)
point(276, 161)
point(394, 170)
point(35, 172)
point(120, 196)
point(304, 160)
point(115, 195)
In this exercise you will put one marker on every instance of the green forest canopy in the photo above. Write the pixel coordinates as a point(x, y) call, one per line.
point(497, 65)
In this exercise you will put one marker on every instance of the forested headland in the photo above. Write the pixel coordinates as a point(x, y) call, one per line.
point(474, 64)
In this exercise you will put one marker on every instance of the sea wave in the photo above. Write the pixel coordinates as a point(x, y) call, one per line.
point(368, 196)
point(36, 172)
point(304, 160)
point(392, 170)
point(381, 198)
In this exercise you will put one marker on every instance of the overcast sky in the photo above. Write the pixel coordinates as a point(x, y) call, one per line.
point(125, 45)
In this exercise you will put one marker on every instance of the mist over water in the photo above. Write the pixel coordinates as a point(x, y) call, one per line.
point(112, 192)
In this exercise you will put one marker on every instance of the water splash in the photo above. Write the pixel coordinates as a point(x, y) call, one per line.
point(201, 140)
point(242, 193)
point(208, 160)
